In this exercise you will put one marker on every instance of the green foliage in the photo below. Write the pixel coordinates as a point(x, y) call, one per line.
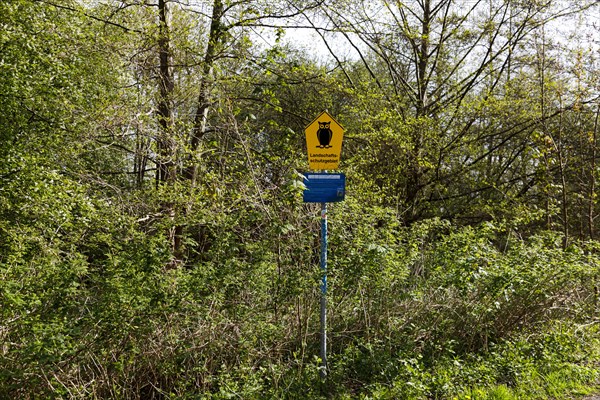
point(443, 283)
point(475, 314)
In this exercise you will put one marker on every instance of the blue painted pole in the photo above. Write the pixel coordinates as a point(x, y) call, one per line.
point(323, 290)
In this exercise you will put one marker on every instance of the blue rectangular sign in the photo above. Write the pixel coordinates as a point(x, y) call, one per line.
point(322, 187)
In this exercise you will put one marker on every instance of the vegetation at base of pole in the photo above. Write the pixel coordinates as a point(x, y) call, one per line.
point(153, 239)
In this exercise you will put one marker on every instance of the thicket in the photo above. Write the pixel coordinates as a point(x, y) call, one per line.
point(431, 311)
point(153, 239)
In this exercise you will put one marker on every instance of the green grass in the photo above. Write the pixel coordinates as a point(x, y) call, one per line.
point(571, 382)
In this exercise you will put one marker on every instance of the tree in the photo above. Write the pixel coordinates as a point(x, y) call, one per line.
point(445, 75)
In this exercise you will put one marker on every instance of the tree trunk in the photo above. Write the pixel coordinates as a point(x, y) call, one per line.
point(166, 145)
point(592, 191)
point(215, 38)
point(166, 166)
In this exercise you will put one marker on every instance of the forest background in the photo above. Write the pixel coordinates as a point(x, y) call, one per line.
point(153, 239)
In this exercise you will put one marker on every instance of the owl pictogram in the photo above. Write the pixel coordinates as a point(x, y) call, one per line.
point(324, 135)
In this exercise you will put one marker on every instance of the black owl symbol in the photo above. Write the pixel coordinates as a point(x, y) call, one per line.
point(324, 134)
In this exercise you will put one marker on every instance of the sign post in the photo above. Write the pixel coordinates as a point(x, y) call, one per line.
point(324, 137)
point(323, 290)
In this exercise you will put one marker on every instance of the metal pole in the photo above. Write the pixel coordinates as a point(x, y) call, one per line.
point(323, 290)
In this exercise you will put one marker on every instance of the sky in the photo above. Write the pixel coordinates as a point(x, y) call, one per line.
point(582, 30)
